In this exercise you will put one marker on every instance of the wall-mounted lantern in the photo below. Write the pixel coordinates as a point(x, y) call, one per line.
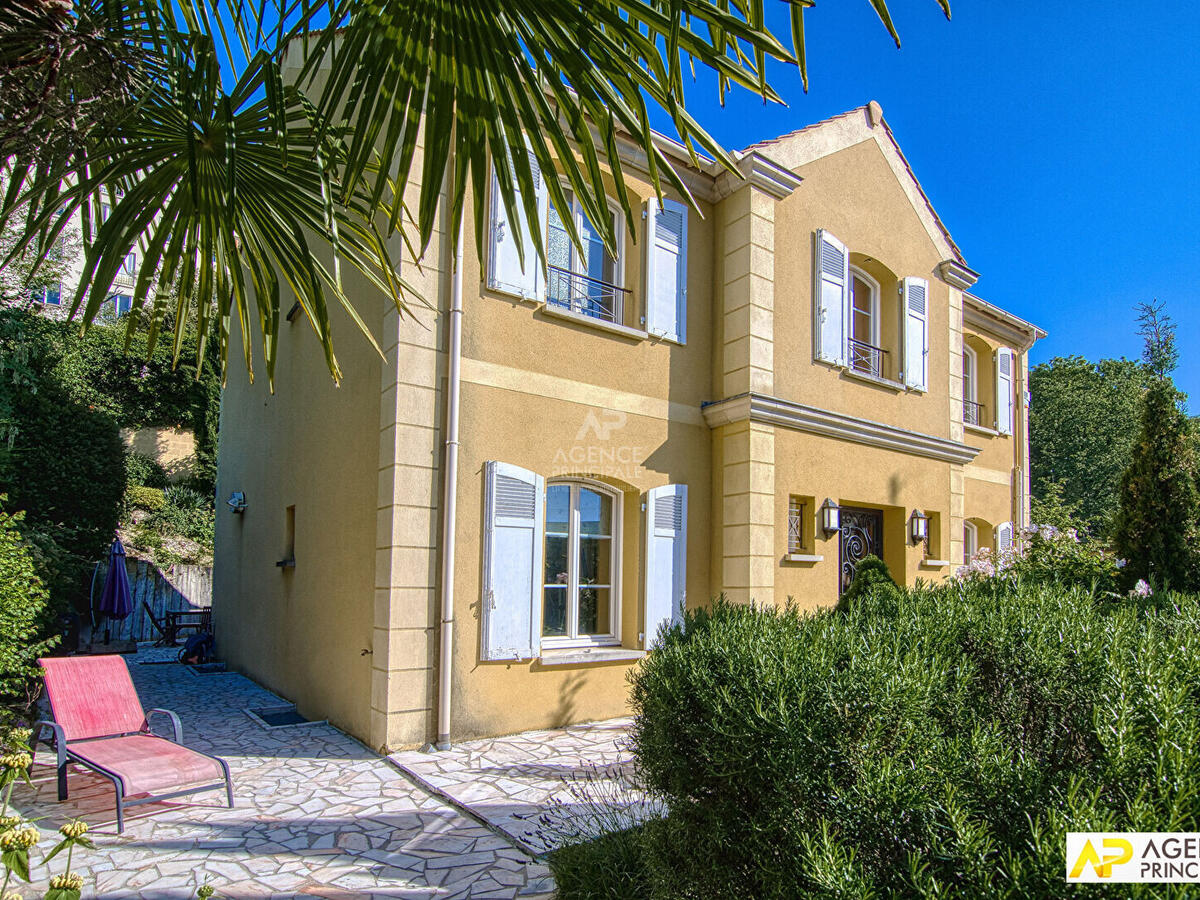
point(831, 517)
point(918, 526)
point(237, 502)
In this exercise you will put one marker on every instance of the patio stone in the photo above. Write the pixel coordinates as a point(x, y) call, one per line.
point(316, 814)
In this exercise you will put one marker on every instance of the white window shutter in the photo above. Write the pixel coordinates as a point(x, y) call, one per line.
point(505, 272)
point(514, 501)
point(916, 333)
point(1004, 536)
point(832, 268)
point(666, 269)
point(666, 558)
point(1004, 390)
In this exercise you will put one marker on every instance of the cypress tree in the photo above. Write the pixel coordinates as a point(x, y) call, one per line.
point(1158, 525)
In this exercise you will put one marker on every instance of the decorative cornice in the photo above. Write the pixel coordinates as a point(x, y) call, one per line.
point(762, 173)
point(1016, 331)
point(811, 420)
point(957, 275)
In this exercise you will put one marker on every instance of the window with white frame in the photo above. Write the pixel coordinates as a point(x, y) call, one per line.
point(972, 409)
point(129, 265)
point(970, 540)
point(50, 295)
point(582, 564)
point(587, 282)
point(122, 303)
point(865, 353)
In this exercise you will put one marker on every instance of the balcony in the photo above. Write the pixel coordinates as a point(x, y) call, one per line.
point(973, 413)
point(868, 359)
point(583, 295)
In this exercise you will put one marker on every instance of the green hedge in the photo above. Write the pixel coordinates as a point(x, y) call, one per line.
point(23, 606)
point(933, 742)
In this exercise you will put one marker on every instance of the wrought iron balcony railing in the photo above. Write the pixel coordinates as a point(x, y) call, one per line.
point(584, 295)
point(972, 412)
point(867, 358)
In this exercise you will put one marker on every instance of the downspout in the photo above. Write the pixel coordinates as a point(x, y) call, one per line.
point(450, 498)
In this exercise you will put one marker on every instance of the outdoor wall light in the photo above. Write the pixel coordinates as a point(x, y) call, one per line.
point(831, 517)
point(918, 526)
point(237, 502)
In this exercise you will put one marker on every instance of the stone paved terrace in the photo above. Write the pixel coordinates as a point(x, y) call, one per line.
point(316, 814)
point(537, 785)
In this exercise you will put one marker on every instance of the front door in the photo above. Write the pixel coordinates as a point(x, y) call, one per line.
point(862, 535)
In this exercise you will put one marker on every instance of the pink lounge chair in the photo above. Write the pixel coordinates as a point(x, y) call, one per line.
point(99, 724)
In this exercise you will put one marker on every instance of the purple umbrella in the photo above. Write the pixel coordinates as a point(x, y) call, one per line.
point(116, 600)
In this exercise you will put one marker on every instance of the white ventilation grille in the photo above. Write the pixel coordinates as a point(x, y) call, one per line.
point(668, 513)
point(515, 499)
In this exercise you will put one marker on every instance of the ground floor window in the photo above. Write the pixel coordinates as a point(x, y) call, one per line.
point(582, 564)
point(970, 540)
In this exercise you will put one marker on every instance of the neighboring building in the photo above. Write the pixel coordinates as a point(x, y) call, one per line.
point(54, 298)
point(637, 433)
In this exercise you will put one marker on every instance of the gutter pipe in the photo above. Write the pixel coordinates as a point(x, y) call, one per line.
point(449, 499)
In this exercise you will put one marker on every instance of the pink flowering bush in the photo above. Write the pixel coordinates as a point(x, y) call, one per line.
point(1045, 554)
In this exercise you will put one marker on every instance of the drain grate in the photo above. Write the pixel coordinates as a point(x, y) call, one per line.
point(213, 668)
point(280, 717)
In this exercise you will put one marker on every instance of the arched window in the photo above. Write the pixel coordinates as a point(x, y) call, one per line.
point(865, 353)
point(581, 586)
point(591, 282)
point(972, 409)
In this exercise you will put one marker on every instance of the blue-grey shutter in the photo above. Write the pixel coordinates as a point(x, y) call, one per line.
point(831, 300)
point(514, 500)
point(666, 558)
point(505, 271)
point(666, 269)
point(916, 333)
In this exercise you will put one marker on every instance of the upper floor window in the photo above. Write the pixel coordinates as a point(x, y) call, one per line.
point(129, 265)
point(972, 408)
point(851, 330)
point(587, 282)
point(582, 564)
point(865, 353)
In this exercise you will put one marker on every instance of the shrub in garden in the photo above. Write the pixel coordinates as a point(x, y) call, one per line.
point(926, 742)
point(1047, 554)
point(186, 512)
point(148, 498)
point(143, 471)
point(870, 575)
point(23, 604)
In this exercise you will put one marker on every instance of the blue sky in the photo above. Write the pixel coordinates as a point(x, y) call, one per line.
point(1060, 143)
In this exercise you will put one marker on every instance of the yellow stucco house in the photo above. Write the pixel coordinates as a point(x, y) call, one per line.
point(482, 531)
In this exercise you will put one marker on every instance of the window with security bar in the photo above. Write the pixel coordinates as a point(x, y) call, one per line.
point(796, 531)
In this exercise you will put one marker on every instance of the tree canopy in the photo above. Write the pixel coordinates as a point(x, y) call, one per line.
point(243, 184)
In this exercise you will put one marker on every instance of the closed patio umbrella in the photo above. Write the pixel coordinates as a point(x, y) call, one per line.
point(116, 600)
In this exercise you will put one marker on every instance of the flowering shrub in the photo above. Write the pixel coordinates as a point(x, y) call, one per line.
point(1048, 555)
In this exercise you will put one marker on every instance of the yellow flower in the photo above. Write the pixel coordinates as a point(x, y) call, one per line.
point(74, 829)
point(16, 761)
point(67, 882)
point(19, 838)
point(7, 822)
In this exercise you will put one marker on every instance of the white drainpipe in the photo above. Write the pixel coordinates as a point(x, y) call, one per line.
point(449, 500)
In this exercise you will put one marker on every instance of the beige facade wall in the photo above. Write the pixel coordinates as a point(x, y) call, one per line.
point(304, 631)
point(352, 631)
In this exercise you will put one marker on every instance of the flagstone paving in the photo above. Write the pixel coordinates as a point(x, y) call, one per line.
point(539, 787)
point(315, 814)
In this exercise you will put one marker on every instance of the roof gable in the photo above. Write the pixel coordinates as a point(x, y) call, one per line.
point(865, 123)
